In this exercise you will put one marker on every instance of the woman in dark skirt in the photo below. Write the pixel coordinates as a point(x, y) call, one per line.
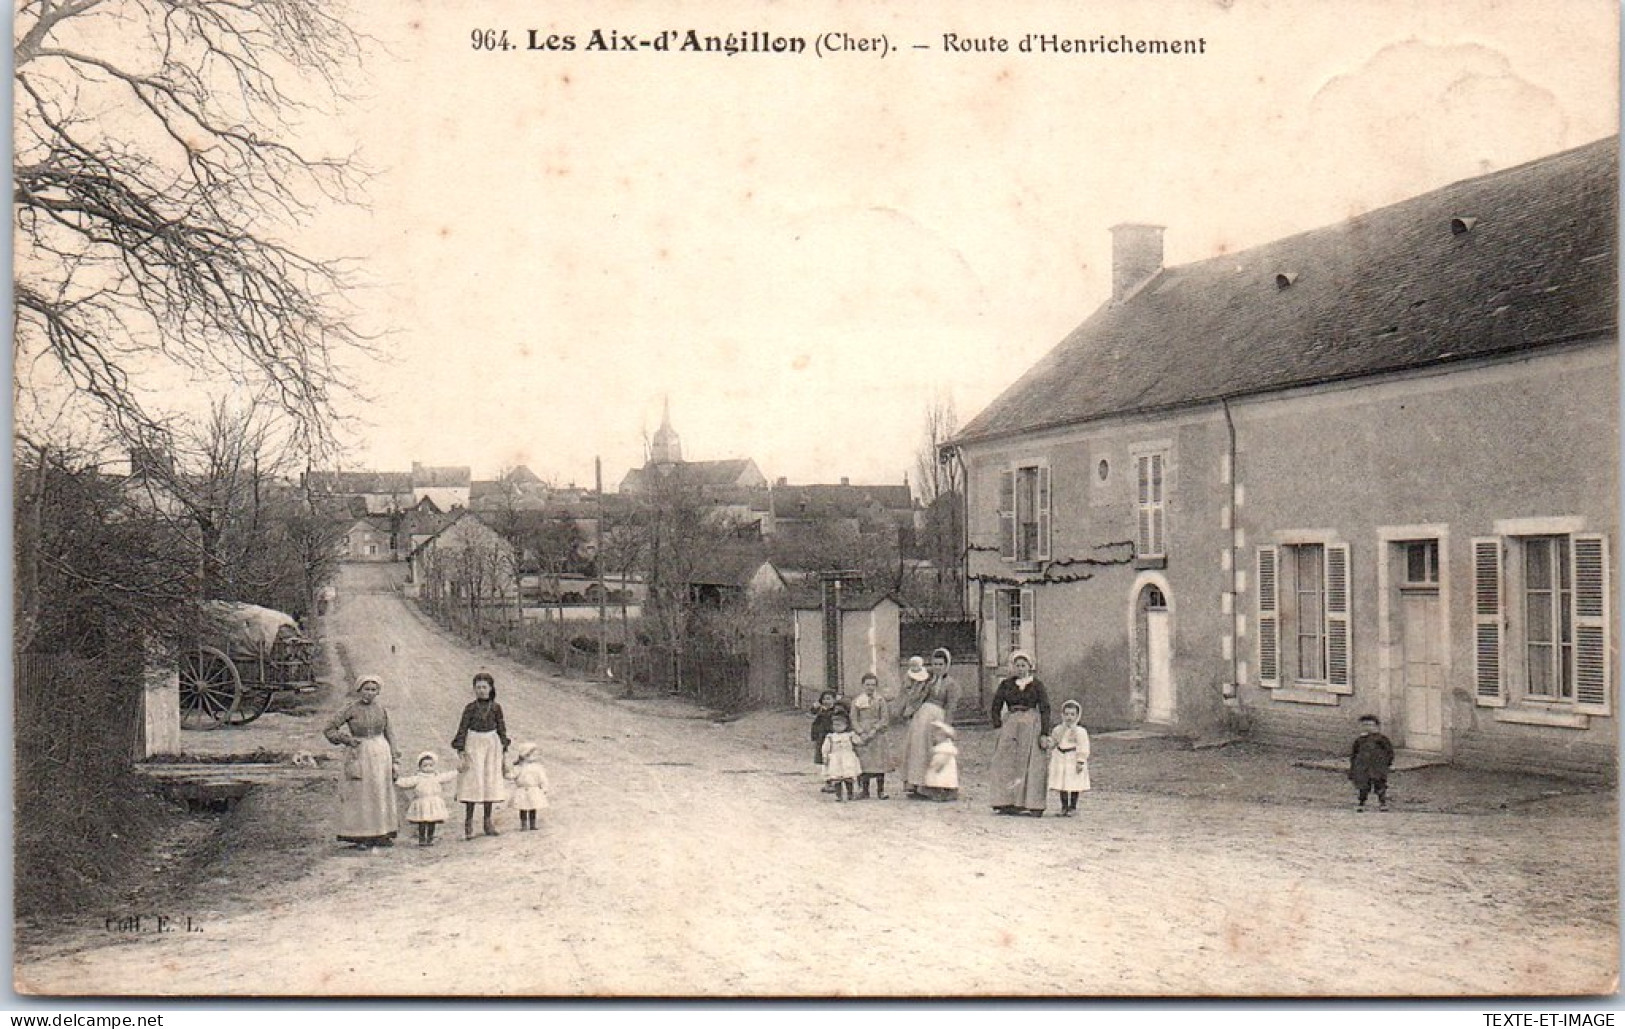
point(481, 743)
point(1018, 778)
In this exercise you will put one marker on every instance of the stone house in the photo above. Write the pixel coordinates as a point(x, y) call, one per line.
point(1369, 468)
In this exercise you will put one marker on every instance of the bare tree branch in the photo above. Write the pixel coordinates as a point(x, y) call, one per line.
point(150, 181)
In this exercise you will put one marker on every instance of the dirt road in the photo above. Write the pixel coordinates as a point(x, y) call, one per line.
point(682, 857)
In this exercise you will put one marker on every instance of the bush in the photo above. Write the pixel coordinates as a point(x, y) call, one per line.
point(82, 816)
point(589, 645)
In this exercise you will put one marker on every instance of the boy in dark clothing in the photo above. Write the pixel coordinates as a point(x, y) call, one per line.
point(823, 721)
point(1369, 761)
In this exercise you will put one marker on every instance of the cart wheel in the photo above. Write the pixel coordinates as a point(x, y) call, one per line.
point(251, 703)
point(209, 687)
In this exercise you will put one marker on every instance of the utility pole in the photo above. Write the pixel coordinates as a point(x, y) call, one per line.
point(598, 565)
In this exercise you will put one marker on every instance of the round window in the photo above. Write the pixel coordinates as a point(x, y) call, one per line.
point(1103, 468)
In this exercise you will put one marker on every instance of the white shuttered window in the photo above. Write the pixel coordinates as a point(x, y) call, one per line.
point(1303, 616)
point(1024, 513)
point(1487, 681)
point(1542, 617)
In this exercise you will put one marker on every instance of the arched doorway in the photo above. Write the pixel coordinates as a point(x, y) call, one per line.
point(1153, 692)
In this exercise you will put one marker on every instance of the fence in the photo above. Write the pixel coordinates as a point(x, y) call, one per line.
point(720, 678)
point(72, 713)
point(923, 635)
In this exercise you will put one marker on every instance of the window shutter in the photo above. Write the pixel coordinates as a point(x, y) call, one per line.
point(1142, 504)
point(1002, 643)
point(1593, 658)
point(990, 640)
point(1007, 514)
point(1269, 621)
point(1487, 622)
point(1044, 521)
point(1158, 513)
point(1029, 622)
point(1338, 672)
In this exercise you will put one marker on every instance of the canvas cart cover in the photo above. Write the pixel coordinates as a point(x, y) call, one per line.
point(247, 628)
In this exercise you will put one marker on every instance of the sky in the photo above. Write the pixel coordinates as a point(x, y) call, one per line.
point(802, 251)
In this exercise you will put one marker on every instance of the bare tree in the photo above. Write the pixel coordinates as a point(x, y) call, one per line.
point(941, 425)
point(942, 490)
point(152, 174)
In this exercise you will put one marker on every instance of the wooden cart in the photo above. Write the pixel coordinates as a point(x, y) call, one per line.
point(243, 656)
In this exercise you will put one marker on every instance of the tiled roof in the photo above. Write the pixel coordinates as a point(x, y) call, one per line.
point(430, 476)
point(805, 599)
point(1516, 259)
point(695, 473)
point(729, 566)
point(836, 501)
point(347, 483)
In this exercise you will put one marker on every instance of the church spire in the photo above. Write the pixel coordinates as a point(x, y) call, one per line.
point(666, 448)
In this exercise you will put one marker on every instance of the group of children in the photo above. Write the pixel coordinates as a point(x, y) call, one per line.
point(427, 809)
point(834, 751)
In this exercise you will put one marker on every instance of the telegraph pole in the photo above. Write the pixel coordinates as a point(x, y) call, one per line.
point(598, 565)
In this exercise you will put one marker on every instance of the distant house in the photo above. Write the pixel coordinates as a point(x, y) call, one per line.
point(380, 492)
point(1367, 469)
point(888, 509)
point(708, 478)
point(369, 538)
point(517, 489)
point(466, 561)
point(733, 575)
point(416, 525)
point(868, 642)
point(448, 487)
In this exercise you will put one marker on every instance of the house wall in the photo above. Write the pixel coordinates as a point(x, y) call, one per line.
point(1449, 454)
point(362, 535)
point(808, 673)
point(869, 642)
point(1087, 641)
point(443, 497)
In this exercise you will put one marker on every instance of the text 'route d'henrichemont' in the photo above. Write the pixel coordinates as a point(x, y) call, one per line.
point(837, 43)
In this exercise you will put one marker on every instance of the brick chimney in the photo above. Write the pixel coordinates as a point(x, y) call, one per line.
point(1136, 257)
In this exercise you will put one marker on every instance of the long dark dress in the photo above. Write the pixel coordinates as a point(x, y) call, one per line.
point(1019, 773)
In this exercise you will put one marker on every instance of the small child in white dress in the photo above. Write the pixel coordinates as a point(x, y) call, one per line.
point(428, 807)
point(841, 765)
point(1069, 758)
point(529, 785)
point(942, 774)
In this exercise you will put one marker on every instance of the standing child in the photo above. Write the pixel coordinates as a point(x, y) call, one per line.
point(529, 785)
point(1369, 761)
point(942, 773)
point(841, 767)
point(1069, 759)
point(428, 807)
point(823, 717)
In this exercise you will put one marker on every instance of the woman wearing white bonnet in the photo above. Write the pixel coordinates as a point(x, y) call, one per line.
point(1018, 777)
point(932, 699)
point(368, 815)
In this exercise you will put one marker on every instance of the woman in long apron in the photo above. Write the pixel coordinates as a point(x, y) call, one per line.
point(368, 815)
point(930, 701)
point(1018, 777)
point(480, 743)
